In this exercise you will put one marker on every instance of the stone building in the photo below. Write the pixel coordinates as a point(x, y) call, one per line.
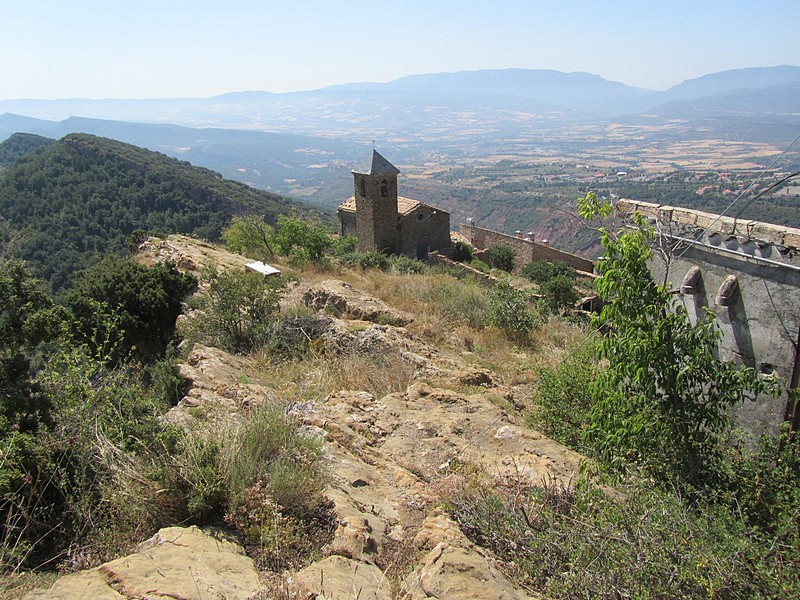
point(382, 220)
point(748, 272)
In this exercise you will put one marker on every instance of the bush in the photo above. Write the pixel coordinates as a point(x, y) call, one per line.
point(406, 266)
point(508, 309)
point(239, 308)
point(542, 271)
point(143, 302)
point(501, 257)
point(559, 293)
point(562, 397)
point(366, 260)
point(577, 542)
point(276, 481)
point(296, 237)
point(462, 252)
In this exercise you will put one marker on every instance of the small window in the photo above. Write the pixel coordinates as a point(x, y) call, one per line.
point(384, 189)
point(363, 188)
point(420, 216)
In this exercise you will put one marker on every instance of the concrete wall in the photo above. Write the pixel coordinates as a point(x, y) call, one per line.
point(760, 326)
point(423, 230)
point(527, 251)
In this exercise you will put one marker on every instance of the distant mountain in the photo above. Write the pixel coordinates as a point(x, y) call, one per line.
point(283, 163)
point(754, 78)
point(63, 206)
point(446, 107)
point(552, 90)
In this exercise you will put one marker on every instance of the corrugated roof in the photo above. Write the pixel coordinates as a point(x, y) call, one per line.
point(404, 205)
point(376, 165)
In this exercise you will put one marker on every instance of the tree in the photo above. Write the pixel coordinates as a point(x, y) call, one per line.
point(296, 237)
point(662, 401)
point(501, 257)
point(28, 317)
point(248, 235)
point(144, 303)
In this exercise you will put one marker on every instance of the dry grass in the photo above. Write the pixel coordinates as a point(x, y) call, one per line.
point(16, 585)
point(317, 376)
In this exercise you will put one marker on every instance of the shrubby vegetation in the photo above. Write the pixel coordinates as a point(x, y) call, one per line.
point(501, 257)
point(700, 514)
point(82, 196)
point(88, 467)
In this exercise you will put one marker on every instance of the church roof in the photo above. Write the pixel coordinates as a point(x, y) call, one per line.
point(376, 165)
point(404, 205)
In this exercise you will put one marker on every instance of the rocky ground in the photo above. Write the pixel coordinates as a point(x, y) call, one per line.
point(388, 457)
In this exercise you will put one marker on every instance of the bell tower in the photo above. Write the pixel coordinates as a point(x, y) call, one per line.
point(376, 204)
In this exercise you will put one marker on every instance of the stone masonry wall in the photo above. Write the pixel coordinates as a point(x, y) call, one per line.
point(423, 230)
point(761, 319)
point(527, 251)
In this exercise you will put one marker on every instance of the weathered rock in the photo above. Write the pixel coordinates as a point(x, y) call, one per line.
point(345, 301)
point(187, 563)
point(341, 578)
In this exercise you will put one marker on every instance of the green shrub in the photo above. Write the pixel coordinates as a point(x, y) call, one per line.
point(406, 266)
point(342, 246)
point(562, 397)
point(508, 309)
point(541, 271)
point(577, 542)
point(296, 237)
point(143, 303)
point(559, 293)
point(501, 257)
point(366, 260)
point(462, 252)
point(239, 308)
point(276, 480)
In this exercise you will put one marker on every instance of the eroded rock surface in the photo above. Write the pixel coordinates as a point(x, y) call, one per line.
point(177, 562)
point(386, 457)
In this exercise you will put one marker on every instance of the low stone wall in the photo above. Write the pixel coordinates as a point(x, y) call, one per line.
point(527, 251)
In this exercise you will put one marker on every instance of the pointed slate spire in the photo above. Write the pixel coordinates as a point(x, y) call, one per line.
point(376, 165)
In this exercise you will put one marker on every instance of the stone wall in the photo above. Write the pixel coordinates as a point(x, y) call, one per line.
point(527, 251)
point(759, 315)
point(423, 230)
point(376, 212)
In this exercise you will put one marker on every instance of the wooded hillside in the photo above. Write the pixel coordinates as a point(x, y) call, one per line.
point(64, 205)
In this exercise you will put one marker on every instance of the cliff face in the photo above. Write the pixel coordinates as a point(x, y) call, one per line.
point(388, 457)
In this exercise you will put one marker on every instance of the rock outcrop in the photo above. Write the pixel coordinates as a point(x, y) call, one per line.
point(387, 457)
point(177, 562)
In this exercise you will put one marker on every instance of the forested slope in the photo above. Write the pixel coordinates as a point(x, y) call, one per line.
point(64, 205)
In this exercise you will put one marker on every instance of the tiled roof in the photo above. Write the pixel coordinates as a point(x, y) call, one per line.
point(404, 205)
point(376, 165)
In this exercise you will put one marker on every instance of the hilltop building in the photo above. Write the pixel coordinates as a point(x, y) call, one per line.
point(382, 220)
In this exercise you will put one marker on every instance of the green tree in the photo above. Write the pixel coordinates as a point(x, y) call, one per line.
point(248, 235)
point(663, 399)
point(501, 257)
point(28, 317)
point(296, 237)
point(142, 302)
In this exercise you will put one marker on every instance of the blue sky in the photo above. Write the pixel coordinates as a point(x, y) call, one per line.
point(197, 48)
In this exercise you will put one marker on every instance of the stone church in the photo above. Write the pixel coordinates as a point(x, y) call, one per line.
point(382, 220)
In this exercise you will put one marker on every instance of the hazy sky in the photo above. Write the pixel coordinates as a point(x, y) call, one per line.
point(196, 48)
